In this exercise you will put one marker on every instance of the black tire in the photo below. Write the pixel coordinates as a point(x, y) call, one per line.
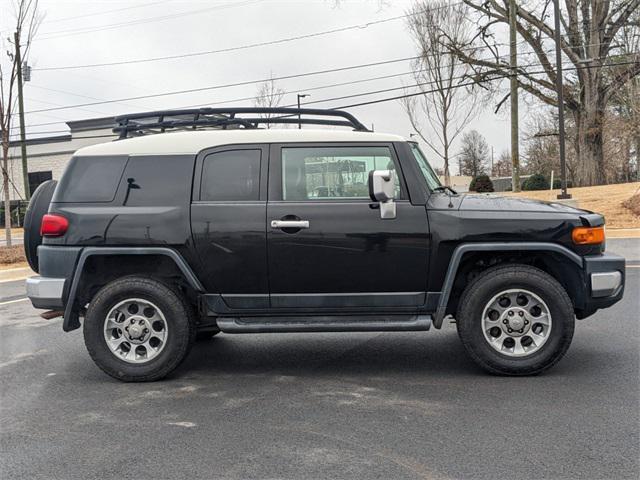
point(204, 335)
point(38, 206)
point(496, 280)
point(178, 314)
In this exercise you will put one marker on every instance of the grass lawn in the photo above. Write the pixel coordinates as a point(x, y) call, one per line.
point(604, 199)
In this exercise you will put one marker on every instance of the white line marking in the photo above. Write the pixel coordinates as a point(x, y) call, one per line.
point(14, 301)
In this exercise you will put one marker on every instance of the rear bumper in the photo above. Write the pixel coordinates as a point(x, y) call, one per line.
point(56, 265)
point(46, 292)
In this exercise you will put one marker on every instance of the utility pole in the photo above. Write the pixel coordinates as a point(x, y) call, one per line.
point(559, 87)
point(491, 161)
point(513, 64)
point(23, 140)
point(301, 95)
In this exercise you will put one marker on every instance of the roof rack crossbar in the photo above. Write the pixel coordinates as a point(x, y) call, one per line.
point(224, 117)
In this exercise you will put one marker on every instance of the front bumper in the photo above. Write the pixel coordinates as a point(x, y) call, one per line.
point(46, 292)
point(605, 284)
point(604, 279)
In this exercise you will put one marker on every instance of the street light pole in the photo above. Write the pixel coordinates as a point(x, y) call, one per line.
point(559, 88)
point(513, 85)
point(301, 95)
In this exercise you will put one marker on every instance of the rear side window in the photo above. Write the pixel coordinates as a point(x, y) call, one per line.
point(90, 179)
point(232, 175)
point(157, 180)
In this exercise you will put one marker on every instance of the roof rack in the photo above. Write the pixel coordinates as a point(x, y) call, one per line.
point(194, 118)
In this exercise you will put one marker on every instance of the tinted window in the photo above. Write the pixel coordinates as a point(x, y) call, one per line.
point(36, 178)
point(90, 179)
point(231, 175)
point(157, 180)
point(332, 173)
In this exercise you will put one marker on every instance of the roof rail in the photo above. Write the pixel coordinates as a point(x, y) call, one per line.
point(194, 118)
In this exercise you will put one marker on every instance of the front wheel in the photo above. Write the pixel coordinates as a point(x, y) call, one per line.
point(138, 329)
point(515, 320)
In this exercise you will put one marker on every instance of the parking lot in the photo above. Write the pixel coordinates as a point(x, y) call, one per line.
point(383, 405)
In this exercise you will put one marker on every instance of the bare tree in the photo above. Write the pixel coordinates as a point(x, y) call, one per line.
point(27, 21)
point(503, 167)
point(474, 154)
point(446, 107)
point(590, 42)
point(626, 100)
point(269, 95)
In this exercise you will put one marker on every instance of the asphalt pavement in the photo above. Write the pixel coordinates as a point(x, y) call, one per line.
point(359, 405)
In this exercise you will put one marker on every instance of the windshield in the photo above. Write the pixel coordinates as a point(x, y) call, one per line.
point(429, 175)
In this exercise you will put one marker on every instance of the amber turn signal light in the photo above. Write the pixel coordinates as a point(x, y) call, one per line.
point(588, 235)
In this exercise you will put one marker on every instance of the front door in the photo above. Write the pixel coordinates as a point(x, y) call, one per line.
point(341, 254)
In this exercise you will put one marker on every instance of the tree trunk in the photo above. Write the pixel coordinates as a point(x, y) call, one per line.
point(447, 174)
point(637, 159)
point(7, 197)
point(589, 145)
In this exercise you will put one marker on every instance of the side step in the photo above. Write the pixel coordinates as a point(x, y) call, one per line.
point(404, 323)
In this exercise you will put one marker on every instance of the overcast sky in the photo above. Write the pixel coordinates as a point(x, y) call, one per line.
point(86, 32)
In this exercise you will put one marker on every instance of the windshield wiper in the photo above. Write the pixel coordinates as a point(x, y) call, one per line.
point(444, 188)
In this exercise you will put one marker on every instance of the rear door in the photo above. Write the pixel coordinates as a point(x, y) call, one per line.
point(343, 256)
point(228, 214)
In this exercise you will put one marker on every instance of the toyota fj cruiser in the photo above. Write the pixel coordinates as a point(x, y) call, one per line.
point(198, 221)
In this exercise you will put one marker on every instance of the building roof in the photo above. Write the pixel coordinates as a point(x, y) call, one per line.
point(195, 141)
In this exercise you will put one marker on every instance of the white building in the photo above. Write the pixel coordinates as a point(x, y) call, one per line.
point(48, 156)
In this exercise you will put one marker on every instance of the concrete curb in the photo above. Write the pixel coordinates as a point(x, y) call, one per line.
point(13, 274)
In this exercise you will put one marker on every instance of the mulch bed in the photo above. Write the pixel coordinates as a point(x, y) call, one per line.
point(633, 204)
point(11, 255)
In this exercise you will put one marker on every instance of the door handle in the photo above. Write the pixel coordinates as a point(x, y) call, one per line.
point(289, 223)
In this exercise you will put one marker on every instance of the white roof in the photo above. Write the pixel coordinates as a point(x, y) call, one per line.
point(193, 142)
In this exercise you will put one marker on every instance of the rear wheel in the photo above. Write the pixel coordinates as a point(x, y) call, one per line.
point(515, 320)
point(138, 329)
point(38, 206)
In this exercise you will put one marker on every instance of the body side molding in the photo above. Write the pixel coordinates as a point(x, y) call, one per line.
point(71, 317)
point(460, 250)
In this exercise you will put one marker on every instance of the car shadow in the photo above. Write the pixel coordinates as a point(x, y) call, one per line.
point(317, 354)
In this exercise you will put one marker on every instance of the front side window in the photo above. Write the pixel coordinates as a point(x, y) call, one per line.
point(430, 177)
point(232, 175)
point(332, 173)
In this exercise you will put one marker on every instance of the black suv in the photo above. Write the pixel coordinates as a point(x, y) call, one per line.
point(197, 222)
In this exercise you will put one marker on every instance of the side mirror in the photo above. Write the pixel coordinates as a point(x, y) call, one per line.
point(381, 189)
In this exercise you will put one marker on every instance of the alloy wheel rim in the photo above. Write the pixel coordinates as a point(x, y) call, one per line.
point(135, 330)
point(516, 322)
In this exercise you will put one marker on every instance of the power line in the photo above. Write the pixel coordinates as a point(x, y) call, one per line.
point(246, 83)
point(421, 92)
point(460, 85)
point(241, 47)
point(221, 50)
point(228, 85)
point(235, 100)
point(151, 4)
point(80, 31)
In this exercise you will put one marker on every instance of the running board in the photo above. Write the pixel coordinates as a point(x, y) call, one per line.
point(404, 323)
